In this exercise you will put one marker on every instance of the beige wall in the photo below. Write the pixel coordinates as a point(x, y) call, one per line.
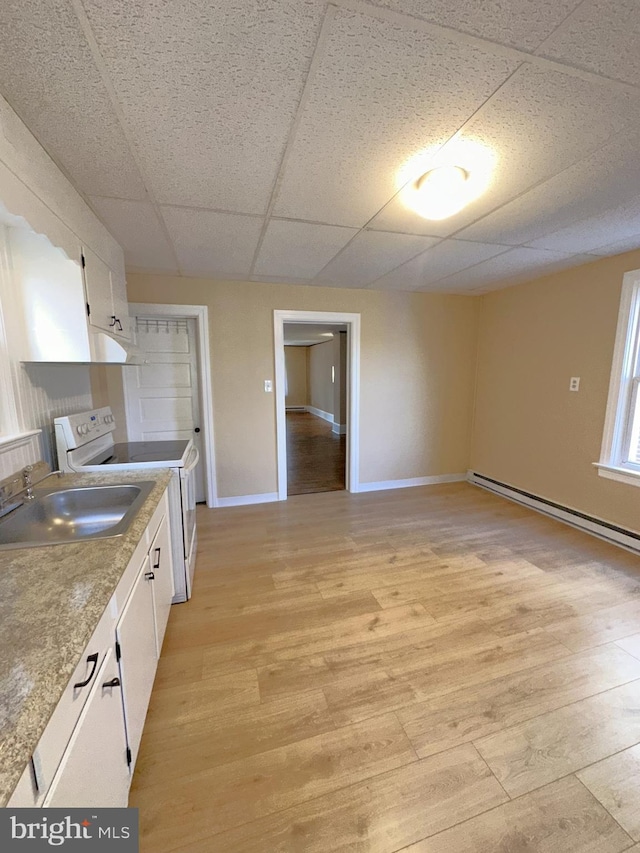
point(417, 374)
point(321, 360)
point(296, 361)
point(530, 431)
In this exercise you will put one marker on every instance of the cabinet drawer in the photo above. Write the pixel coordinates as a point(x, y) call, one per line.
point(56, 736)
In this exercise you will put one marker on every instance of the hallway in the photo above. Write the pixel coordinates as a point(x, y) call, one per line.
point(315, 455)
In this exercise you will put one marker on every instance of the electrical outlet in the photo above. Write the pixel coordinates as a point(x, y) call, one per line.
point(268, 385)
point(574, 383)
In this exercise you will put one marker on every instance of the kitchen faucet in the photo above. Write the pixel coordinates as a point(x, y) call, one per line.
point(26, 478)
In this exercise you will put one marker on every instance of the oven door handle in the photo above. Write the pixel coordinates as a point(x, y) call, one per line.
point(194, 458)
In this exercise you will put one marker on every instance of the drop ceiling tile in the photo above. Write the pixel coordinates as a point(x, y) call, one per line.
point(541, 122)
point(601, 36)
point(213, 244)
point(48, 76)
point(587, 234)
point(299, 249)
point(209, 90)
point(629, 244)
point(607, 178)
point(136, 226)
point(448, 257)
point(370, 255)
point(512, 267)
point(519, 23)
point(381, 94)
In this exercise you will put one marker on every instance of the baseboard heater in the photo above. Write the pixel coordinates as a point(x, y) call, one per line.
point(588, 523)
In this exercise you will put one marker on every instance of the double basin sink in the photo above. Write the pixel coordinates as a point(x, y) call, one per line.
point(59, 516)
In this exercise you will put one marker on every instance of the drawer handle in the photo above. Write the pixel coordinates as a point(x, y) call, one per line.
point(115, 682)
point(150, 576)
point(91, 659)
point(156, 563)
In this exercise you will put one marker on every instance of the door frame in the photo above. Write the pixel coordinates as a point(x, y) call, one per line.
point(352, 322)
point(200, 314)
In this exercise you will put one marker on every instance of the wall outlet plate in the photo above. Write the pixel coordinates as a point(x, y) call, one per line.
point(574, 383)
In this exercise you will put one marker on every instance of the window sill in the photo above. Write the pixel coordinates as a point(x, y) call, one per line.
point(623, 475)
point(18, 438)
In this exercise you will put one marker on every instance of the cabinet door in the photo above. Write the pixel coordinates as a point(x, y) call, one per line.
point(120, 305)
point(25, 795)
point(162, 568)
point(94, 770)
point(138, 659)
point(97, 280)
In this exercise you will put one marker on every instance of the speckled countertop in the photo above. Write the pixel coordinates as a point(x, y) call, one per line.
point(51, 600)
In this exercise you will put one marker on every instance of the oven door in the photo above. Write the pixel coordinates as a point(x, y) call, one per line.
point(188, 500)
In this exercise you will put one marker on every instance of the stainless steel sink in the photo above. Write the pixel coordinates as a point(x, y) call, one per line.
point(59, 516)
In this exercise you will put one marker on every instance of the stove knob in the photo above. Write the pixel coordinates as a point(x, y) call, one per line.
point(79, 429)
point(85, 429)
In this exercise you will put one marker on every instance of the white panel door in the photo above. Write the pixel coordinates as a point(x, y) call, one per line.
point(163, 396)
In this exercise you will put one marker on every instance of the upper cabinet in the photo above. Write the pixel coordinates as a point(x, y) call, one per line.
point(106, 292)
point(60, 310)
point(56, 307)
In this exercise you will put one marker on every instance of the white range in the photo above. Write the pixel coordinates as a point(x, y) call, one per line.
point(85, 444)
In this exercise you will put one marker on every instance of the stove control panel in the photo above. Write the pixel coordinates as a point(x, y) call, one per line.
point(74, 431)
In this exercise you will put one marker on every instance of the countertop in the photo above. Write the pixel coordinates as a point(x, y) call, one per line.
point(51, 600)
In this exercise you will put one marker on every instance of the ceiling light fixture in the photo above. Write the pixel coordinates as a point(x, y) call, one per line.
point(441, 192)
point(437, 183)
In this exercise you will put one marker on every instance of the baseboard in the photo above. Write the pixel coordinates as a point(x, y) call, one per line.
point(381, 485)
point(339, 429)
point(246, 500)
point(295, 408)
point(326, 416)
point(575, 518)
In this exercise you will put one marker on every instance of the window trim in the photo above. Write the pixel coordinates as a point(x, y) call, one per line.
point(625, 354)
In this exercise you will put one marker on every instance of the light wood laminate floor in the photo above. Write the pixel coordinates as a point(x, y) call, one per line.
point(433, 670)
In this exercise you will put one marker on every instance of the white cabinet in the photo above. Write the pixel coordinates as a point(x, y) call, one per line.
point(87, 752)
point(25, 794)
point(106, 295)
point(46, 303)
point(136, 637)
point(56, 309)
point(94, 767)
point(162, 582)
point(120, 303)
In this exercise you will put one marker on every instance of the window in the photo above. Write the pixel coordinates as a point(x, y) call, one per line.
point(620, 458)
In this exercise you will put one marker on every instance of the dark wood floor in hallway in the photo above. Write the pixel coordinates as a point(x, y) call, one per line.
point(426, 670)
point(315, 455)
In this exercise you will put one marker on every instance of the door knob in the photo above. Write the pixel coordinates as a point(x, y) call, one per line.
point(197, 429)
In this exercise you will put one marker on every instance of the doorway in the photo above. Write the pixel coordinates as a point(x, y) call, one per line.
point(168, 396)
point(315, 407)
point(317, 431)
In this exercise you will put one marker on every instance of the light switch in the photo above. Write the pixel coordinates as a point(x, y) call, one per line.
point(268, 385)
point(574, 383)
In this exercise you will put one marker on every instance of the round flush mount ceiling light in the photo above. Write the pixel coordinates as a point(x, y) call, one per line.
point(438, 182)
point(441, 192)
